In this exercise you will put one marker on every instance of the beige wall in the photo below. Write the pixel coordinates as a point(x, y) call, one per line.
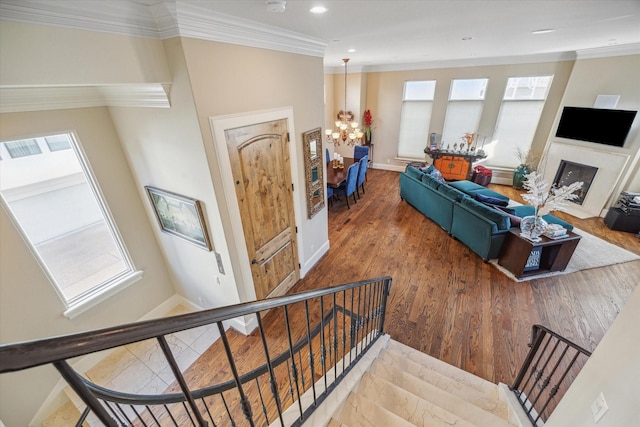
point(616, 75)
point(613, 370)
point(384, 98)
point(41, 55)
point(228, 80)
point(29, 307)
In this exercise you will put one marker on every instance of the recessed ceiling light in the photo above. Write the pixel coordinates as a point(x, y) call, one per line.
point(543, 31)
point(351, 50)
point(276, 6)
point(318, 9)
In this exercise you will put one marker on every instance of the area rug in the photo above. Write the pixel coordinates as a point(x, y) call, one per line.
point(591, 252)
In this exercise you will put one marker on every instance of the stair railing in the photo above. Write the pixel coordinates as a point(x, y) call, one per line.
point(550, 367)
point(310, 361)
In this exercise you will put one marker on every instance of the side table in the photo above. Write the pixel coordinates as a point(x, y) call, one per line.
point(523, 257)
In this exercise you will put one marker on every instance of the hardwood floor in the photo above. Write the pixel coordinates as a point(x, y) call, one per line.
point(446, 302)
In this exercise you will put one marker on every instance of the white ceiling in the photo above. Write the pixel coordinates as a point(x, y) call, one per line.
point(386, 35)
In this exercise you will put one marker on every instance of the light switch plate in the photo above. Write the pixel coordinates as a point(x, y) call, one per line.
point(599, 407)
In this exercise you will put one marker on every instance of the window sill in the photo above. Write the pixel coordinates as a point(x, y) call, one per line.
point(84, 305)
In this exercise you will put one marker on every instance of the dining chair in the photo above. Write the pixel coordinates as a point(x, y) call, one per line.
point(327, 156)
point(348, 188)
point(329, 195)
point(359, 151)
point(362, 172)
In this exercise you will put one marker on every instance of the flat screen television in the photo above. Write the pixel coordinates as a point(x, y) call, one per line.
point(599, 125)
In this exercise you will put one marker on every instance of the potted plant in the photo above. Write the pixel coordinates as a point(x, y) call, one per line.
point(527, 165)
point(367, 121)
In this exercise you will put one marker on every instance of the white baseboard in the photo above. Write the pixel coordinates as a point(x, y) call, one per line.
point(313, 260)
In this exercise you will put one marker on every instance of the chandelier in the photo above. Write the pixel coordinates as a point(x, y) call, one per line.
point(346, 129)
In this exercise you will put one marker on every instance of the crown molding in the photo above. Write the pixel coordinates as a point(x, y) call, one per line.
point(171, 18)
point(18, 99)
point(201, 23)
point(118, 17)
point(603, 52)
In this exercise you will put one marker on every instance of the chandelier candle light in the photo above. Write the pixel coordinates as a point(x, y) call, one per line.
point(346, 129)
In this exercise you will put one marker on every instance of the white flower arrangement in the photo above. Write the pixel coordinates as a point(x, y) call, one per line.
point(546, 199)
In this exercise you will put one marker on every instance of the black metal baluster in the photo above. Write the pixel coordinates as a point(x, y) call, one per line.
point(119, 407)
point(113, 412)
point(226, 407)
point(352, 327)
point(527, 366)
point(344, 328)
point(150, 411)
point(244, 402)
point(272, 375)
point(385, 294)
point(73, 379)
point(301, 369)
point(168, 354)
point(323, 350)
point(83, 417)
point(311, 362)
point(358, 320)
point(369, 291)
point(293, 360)
point(206, 407)
point(547, 380)
point(379, 288)
point(133, 408)
point(335, 338)
point(186, 410)
point(175, 423)
point(264, 408)
point(554, 389)
point(540, 373)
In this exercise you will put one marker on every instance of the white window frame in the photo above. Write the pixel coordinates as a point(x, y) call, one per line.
point(413, 137)
point(473, 104)
point(99, 291)
point(511, 100)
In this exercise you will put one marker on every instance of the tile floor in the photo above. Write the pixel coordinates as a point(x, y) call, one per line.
point(141, 367)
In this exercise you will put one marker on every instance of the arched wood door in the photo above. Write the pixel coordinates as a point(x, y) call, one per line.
point(259, 156)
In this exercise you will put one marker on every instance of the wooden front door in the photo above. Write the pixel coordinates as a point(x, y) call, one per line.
point(259, 156)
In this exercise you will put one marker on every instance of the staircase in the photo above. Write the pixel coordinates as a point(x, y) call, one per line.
point(404, 387)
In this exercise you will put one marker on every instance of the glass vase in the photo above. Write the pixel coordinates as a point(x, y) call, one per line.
point(518, 176)
point(532, 227)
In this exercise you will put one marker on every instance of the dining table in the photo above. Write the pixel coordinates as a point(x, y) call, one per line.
point(336, 176)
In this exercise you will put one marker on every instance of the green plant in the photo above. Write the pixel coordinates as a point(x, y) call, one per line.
point(526, 158)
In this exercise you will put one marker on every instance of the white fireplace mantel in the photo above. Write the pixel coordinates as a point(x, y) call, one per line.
point(610, 168)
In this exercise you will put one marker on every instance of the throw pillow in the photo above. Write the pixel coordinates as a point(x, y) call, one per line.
point(515, 220)
point(427, 169)
point(491, 200)
point(437, 175)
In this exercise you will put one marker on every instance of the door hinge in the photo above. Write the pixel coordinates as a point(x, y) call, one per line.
point(296, 229)
point(292, 187)
point(299, 266)
point(288, 140)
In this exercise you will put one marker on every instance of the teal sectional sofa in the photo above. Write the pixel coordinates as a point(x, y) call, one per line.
point(455, 208)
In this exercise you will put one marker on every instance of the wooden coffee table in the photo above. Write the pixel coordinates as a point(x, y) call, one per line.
point(523, 257)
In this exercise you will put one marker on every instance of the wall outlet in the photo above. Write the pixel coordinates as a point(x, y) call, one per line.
point(599, 407)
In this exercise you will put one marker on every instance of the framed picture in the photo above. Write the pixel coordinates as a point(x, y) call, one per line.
point(180, 216)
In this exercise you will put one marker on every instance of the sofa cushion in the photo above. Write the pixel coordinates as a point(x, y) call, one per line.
point(430, 181)
point(491, 200)
point(528, 210)
point(414, 172)
point(466, 186)
point(450, 192)
point(499, 218)
point(490, 193)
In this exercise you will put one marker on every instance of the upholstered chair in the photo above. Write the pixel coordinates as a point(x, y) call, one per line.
point(362, 172)
point(348, 188)
point(359, 151)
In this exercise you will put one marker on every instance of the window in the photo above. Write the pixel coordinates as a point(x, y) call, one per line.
point(520, 112)
point(23, 148)
point(417, 102)
point(466, 100)
point(57, 206)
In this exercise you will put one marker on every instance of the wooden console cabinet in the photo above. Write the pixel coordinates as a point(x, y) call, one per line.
point(525, 258)
point(454, 166)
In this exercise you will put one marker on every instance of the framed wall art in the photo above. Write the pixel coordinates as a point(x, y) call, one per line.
point(180, 216)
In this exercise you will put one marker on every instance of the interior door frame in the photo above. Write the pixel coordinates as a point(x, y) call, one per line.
point(219, 124)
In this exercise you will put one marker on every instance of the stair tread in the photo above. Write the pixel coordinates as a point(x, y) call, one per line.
point(437, 396)
point(65, 415)
point(335, 423)
point(488, 400)
point(442, 367)
point(358, 411)
point(407, 405)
